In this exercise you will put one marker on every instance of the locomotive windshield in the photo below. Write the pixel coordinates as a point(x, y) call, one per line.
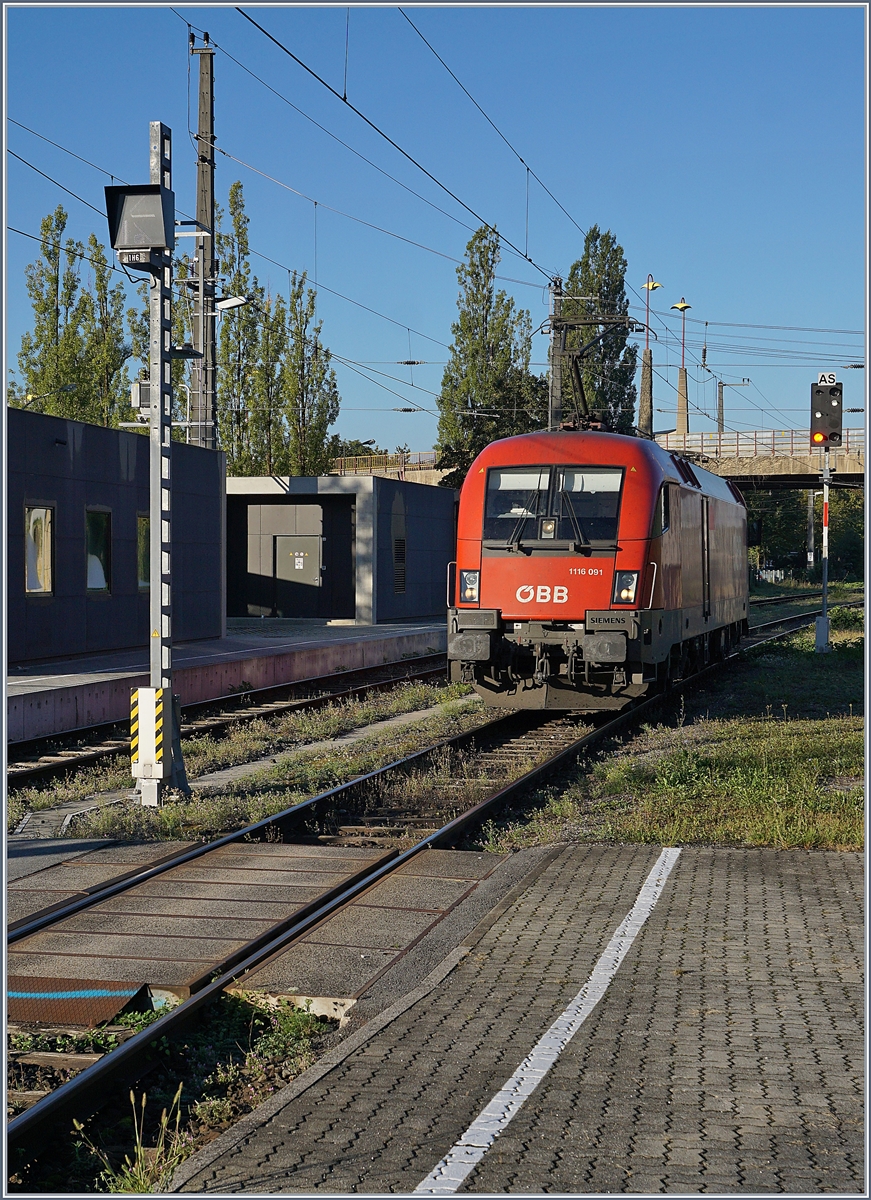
point(566, 504)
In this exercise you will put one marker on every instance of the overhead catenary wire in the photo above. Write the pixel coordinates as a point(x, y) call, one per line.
point(321, 286)
point(514, 151)
point(506, 241)
point(75, 195)
point(329, 133)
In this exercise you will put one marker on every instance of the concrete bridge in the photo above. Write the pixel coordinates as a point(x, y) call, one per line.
point(766, 459)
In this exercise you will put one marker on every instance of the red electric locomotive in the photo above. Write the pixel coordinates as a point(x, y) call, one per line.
point(592, 567)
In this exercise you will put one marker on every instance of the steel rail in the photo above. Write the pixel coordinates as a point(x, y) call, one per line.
point(87, 755)
point(287, 816)
point(83, 1093)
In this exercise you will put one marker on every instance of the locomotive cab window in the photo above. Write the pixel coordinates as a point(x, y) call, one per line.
point(568, 504)
point(516, 496)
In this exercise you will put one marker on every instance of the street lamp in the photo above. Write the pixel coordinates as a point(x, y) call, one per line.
point(650, 286)
point(682, 308)
point(230, 302)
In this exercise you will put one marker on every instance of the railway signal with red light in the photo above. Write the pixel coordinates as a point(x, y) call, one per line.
point(827, 412)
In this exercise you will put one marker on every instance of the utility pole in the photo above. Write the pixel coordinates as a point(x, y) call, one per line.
point(141, 226)
point(203, 417)
point(557, 340)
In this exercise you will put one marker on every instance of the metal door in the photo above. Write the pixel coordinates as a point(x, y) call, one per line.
point(298, 559)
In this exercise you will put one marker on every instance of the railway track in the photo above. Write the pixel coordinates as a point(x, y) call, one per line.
point(49, 758)
point(371, 814)
point(34, 762)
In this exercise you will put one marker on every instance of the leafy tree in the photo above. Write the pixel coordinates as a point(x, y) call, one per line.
point(238, 342)
point(487, 390)
point(105, 348)
point(72, 363)
point(268, 426)
point(51, 359)
point(608, 369)
point(311, 396)
point(846, 532)
point(782, 518)
point(353, 448)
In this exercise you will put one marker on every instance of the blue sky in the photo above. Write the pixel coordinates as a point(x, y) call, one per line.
point(725, 147)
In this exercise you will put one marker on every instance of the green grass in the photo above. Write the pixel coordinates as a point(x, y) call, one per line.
point(771, 754)
point(278, 787)
point(259, 738)
point(242, 1048)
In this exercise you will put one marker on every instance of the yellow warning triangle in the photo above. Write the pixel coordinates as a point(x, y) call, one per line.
point(155, 634)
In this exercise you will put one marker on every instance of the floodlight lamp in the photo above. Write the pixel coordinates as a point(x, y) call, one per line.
point(229, 302)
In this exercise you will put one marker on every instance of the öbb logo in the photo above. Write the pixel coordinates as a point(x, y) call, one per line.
point(542, 594)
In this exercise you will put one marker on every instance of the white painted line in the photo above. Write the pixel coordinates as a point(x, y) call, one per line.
point(449, 1174)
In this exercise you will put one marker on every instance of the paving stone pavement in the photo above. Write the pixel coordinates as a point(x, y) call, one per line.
point(725, 1057)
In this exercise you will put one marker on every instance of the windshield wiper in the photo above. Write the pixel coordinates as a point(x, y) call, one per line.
point(513, 543)
point(583, 542)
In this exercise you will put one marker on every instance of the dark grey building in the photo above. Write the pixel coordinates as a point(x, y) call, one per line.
point(77, 539)
point(353, 547)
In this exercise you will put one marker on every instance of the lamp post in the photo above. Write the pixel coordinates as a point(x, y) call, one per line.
point(649, 287)
point(683, 408)
point(645, 402)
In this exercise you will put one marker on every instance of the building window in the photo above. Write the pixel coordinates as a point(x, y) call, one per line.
point(98, 527)
point(143, 552)
point(38, 541)
point(398, 565)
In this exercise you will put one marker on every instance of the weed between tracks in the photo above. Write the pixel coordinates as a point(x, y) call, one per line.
point(769, 754)
point(242, 1051)
point(278, 787)
point(256, 739)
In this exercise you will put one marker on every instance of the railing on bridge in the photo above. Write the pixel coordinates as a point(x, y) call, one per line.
point(369, 464)
point(760, 443)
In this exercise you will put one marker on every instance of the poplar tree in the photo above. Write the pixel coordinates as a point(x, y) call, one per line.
point(72, 363)
point(105, 348)
point(238, 342)
point(50, 360)
point(608, 369)
point(309, 389)
point(487, 389)
point(268, 423)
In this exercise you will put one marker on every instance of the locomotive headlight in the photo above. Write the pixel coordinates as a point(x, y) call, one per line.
point(469, 581)
point(548, 527)
point(625, 587)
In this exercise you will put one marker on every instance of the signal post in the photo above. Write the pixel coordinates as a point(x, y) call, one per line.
point(827, 423)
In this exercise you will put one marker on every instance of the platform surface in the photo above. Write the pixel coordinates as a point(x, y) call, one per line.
point(45, 698)
point(245, 638)
point(724, 1056)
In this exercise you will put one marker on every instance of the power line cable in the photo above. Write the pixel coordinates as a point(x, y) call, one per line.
point(55, 182)
point(338, 211)
point(514, 151)
point(104, 171)
point(330, 134)
point(396, 146)
point(66, 250)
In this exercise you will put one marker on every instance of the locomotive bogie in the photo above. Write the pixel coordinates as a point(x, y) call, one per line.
point(592, 568)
